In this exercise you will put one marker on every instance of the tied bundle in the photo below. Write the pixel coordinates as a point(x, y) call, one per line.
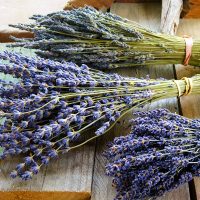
point(51, 105)
point(160, 154)
point(104, 41)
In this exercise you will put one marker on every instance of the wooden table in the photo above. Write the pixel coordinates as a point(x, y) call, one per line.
point(81, 173)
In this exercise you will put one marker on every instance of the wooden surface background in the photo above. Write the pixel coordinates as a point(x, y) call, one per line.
point(191, 9)
point(83, 170)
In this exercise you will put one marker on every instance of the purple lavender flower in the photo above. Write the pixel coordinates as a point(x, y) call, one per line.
point(42, 118)
point(147, 163)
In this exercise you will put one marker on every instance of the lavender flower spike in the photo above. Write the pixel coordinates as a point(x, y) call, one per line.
point(160, 153)
point(52, 104)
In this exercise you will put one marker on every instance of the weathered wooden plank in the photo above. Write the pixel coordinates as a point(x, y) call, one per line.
point(68, 177)
point(171, 10)
point(136, 1)
point(148, 15)
point(191, 9)
point(190, 105)
point(99, 4)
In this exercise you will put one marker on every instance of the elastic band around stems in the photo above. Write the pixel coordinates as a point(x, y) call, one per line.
point(188, 86)
point(178, 87)
point(188, 49)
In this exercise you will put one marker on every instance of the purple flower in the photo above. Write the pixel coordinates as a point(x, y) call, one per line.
point(35, 169)
point(147, 157)
point(14, 174)
point(27, 175)
point(28, 160)
point(53, 153)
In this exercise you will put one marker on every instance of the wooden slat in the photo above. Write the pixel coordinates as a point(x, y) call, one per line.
point(98, 4)
point(135, 1)
point(70, 175)
point(190, 105)
point(191, 9)
point(171, 11)
point(67, 178)
point(149, 15)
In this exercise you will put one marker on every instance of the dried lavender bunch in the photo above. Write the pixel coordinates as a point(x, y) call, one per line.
point(102, 40)
point(160, 154)
point(53, 104)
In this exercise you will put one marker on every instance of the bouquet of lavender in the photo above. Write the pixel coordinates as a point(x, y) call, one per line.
point(53, 104)
point(103, 40)
point(160, 153)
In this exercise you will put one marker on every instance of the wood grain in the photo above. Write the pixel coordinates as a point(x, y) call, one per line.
point(136, 1)
point(149, 15)
point(69, 175)
point(30, 195)
point(191, 9)
point(171, 11)
point(98, 4)
point(7, 32)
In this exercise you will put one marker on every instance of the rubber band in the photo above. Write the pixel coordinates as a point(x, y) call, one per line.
point(191, 86)
point(188, 86)
point(178, 87)
point(188, 49)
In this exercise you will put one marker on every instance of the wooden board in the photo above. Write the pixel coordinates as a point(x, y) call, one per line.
point(171, 11)
point(136, 1)
point(191, 9)
point(149, 15)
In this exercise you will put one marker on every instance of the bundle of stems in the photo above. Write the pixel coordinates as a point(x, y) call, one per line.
point(53, 104)
point(102, 40)
point(160, 154)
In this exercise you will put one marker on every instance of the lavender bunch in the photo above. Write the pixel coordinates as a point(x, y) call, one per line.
point(160, 154)
point(102, 40)
point(52, 106)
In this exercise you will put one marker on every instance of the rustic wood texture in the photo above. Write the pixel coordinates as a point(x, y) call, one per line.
point(171, 11)
point(68, 178)
point(7, 32)
point(191, 9)
point(31, 195)
point(71, 175)
point(98, 4)
point(136, 1)
point(149, 16)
